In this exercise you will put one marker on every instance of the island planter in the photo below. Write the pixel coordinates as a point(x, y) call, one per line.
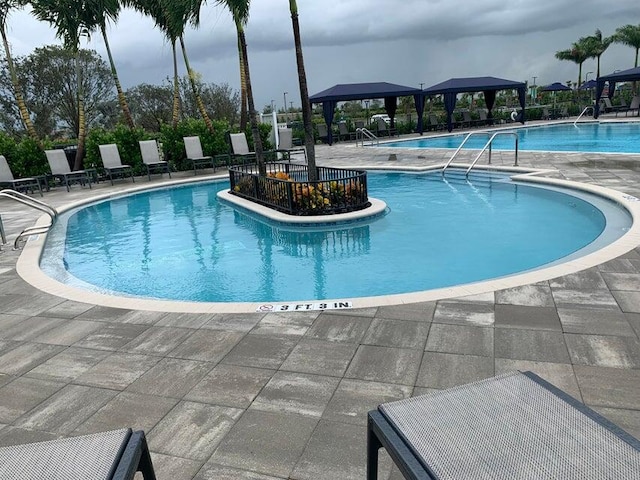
point(287, 188)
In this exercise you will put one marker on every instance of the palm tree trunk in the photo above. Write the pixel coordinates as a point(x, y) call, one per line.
point(309, 141)
point(17, 90)
point(192, 80)
point(176, 88)
point(114, 73)
point(243, 89)
point(81, 116)
point(253, 120)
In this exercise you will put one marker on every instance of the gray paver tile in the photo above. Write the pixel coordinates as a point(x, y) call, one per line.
point(18, 436)
point(211, 471)
point(128, 410)
point(157, 340)
point(609, 387)
point(68, 365)
point(634, 321)
point(591, 299)
point(629, 301)
point(298, 393)
point(112, 336)
point(193, 430)
point(460, 339)
point(184, 320)
point(590, 279)
point(462, 313)
point(604, 351)
point(68, 332)
point(170, 377)
point(30, 328)
point(67, 309)
point(174, 468)
point(320, 357)
point(517, 316)
point(237, 322)
point(623, 281)
point(595, 322)
point(207, 345)
point(628, 420)
point(618, 265)
point(64, 411)
point(137, 317)
point(526, 295)
point(446, 370)
point(117, 371)
point(105, 314)
point(335, 450)
point(397, 333)
point(286, 323)
point(415, 312)
point(21, 395)
point(536, 345)
point(385, 364)
point(230, 385)
point(31, 304)
point(265, 442)
point(24, 357)
point(354, 398)
point(559, 374)
point(339, 328)
point(262, 351)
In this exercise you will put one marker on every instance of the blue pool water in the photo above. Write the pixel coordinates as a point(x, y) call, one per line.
point(584, 137)
point(182, 243)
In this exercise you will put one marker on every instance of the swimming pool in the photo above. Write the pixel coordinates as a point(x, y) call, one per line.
point(611, 137)
point(182, 243)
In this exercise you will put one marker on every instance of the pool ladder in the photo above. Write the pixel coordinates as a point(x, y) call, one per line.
point(362, 132)
point(33, 203)
point(487, 145)
point(586, 109)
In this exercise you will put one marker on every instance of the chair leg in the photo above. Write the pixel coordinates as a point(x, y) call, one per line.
point(373, 445)
point(110, 177)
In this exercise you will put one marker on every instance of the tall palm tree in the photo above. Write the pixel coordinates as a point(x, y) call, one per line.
point(629, 35)
point(577, 54)
point(5, 8)
point(66, 19)
point(309, 140)
point(244, 114)
point(596, 45)
point(240, 12)
point(96, 14)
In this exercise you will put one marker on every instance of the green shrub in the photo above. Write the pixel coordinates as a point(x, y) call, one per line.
point(173, 143)
point(127, 142)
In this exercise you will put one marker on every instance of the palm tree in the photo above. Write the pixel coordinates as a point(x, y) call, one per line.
point(309, 140)
point(5, 8)
point(629, 35)
point(240, 12)
point(96, 14)
point(66, 18)
point(577, 54)
point(595, 46)
point(243, 89)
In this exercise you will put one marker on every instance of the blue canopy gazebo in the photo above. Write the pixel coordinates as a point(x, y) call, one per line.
point(487, 85)
point(364, 91)
point(631, 75)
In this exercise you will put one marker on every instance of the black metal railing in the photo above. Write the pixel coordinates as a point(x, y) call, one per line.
point(286, 188)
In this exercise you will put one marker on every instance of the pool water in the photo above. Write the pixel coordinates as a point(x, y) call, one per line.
point(182, 243)
point(584, 137)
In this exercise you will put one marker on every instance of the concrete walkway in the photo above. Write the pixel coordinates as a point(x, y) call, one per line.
point(271, 396)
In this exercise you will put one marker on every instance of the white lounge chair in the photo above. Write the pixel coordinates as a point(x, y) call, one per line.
point(112, 163)
point(285, 144)
point(193, 148)
point(151, 158)
point(60, 169)
point(7, 179)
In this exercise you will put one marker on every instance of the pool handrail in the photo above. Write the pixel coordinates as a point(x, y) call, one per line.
point(362, 132)
point(489, 144)
point(575, 124)
point(33, 203)
point(469, 135)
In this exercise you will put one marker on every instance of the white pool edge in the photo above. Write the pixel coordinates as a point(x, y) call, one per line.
point(29, 270)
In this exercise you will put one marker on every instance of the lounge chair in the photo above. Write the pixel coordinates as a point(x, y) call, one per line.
point(468, 120)
point(285, 145)
point(383, 128)
point(359, 124)
point(240, 149)
point(512, 426)
point(151, 158)
point(634, 106)
point(193, 148)
point(344, 133)
point(112, 164)
point(59, 166)
point(7, 179)
point(323, 133)
point(116, 454)
point(482, 114)
point(434, 124)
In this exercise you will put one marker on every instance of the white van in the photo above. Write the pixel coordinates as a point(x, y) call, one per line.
point(384, 116)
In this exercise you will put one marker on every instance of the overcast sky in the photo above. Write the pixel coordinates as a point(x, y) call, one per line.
point(408, 42)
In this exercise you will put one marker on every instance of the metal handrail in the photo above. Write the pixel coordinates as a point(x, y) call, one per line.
point(364, 132)
point(488, 145)
point(33, 203)
point(469, 135)
point(575, 124)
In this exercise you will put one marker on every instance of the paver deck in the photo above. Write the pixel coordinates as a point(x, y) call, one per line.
point(272, 396)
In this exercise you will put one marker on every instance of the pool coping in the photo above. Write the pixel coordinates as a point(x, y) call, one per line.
point(29, 270)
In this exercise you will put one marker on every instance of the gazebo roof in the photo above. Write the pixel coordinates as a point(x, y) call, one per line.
point(361, 91)
point(472, 84)
point(623, 76)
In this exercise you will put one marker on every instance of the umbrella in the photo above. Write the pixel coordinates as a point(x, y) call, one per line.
point(555, 87)
point(588, 85)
